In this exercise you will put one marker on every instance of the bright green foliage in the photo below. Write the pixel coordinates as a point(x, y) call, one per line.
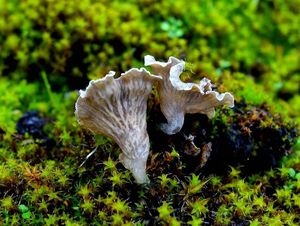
point(199, 207)
point(85, 191)
point(165, 211)
point(173, 27)
point(164, 180)
point(87, 206)
point(195, 185)
point(120, 206)
point(109, 164)
point(7, 203)
point(70, 39)
point(195, 221)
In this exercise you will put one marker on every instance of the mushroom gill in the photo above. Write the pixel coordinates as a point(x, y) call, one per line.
point(117, 108)
point(178, 98)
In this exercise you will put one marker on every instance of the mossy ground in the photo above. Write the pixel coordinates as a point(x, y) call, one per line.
point(51, 48)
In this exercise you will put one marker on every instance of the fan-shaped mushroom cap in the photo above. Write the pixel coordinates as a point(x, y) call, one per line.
point(178, 98)
point(117, 109)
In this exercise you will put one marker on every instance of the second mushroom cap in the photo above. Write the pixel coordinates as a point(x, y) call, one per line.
point(178, 98)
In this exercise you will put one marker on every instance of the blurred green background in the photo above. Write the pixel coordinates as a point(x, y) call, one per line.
point(74, 41)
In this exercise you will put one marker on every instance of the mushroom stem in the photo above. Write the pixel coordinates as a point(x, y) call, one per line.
point(137, 167)
point(174, 124)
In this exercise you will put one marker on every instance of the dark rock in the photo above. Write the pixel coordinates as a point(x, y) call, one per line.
point(33, 124)
point(249, 137)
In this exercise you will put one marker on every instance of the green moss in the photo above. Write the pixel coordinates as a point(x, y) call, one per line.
point(50, 182)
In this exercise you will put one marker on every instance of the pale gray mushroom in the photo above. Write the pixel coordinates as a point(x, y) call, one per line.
point(178, 98)
point(117, 108)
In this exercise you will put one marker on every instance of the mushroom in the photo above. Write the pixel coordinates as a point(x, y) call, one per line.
point(178, 98)
point(117, 108)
